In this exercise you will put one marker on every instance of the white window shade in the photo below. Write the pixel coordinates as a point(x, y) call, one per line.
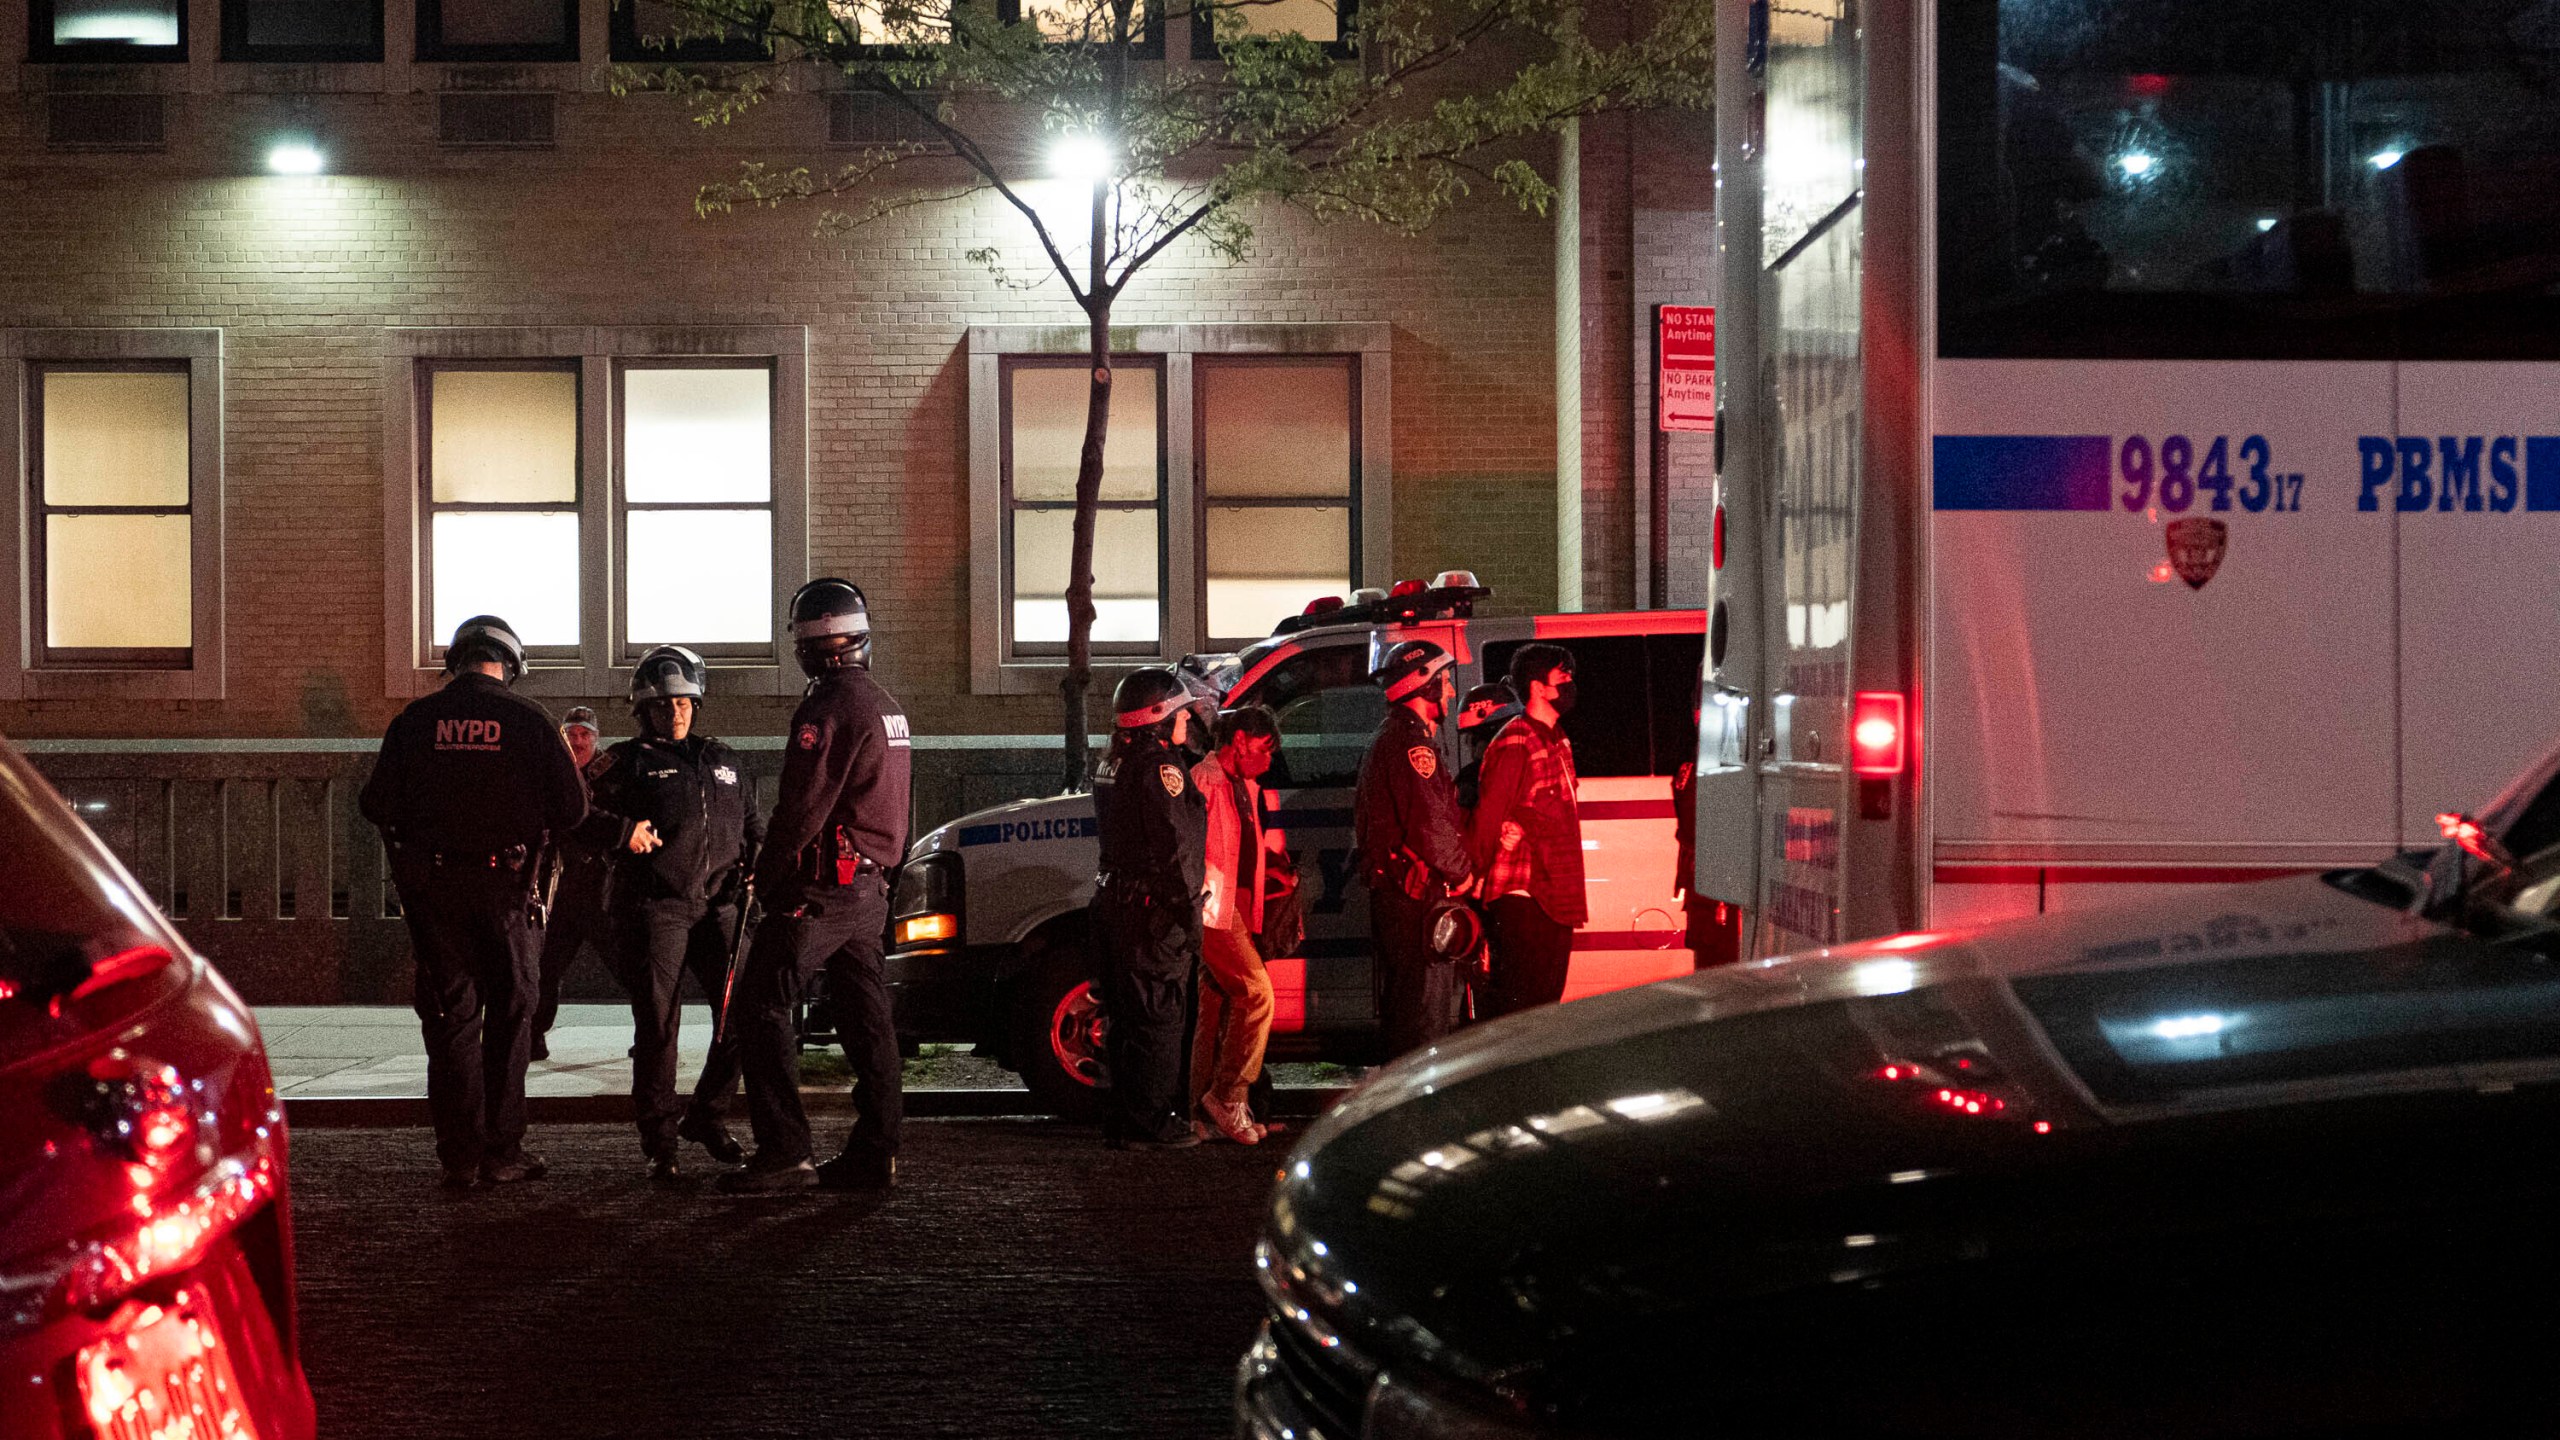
point(504, 22)
point(697, 436)
point(115, 22)
point(1277, 429)
point(503, 437)
point(115, 438)
point(117, 582)
point(1049, 403)
point(1127, 598)
point(699, 577)
point(1266, 562)
point(520, 565)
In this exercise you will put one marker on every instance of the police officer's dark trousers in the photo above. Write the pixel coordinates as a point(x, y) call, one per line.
point(1418, 996)
point(658, 943)
point(478, 963)
point(1149, 950)
point(843, 928)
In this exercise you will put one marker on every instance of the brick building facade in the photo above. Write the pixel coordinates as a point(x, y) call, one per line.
point(513, 211)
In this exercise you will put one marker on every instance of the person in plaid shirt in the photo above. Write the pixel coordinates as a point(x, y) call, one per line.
point(1526, 837)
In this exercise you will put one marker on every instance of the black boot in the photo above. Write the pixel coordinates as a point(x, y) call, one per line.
point(704, 1129)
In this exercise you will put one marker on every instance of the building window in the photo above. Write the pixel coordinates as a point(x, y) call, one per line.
point(697, 494)
point(1279, 458)
point(504, 30)
point(1083, 22)
point(300, 32)
point(1044, 417)
point(647, 30)
point(605, 489)
point(1327, 22)
point(113, 541)
point(96, 31)
point(501, 492)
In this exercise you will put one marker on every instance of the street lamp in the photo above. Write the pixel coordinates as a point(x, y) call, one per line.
point(1081, 156)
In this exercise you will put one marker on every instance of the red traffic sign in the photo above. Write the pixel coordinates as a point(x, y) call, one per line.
point(1685, 382)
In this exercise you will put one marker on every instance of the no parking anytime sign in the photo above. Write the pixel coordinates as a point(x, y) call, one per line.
point(1685, 380)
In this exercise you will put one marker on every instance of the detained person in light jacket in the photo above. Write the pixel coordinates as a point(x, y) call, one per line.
point(1235, 988)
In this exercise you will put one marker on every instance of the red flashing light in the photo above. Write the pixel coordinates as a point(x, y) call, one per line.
point(2044, 1127)
point(1875, 733)
point(1971, 1102)
point(1715, 546)
point(2148, 84)
point(2464, 831)
point(1404, 588)
point(1322, 605)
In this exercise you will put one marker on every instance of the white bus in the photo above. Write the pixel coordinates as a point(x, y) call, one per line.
point(2139, 446)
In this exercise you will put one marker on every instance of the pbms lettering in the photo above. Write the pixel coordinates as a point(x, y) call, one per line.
point(470, 734)
point(2445, 473)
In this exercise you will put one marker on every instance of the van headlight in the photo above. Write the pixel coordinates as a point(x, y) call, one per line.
point(925, 903)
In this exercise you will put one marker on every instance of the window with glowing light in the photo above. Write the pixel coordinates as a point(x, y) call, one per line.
point(697, 496)
point(106, 31)
point(648, 30)
point(1279, 447)
point(113, 533)
point(1326, 22)
point(1045, 402)
point(502, 500)
point(1087, 22)
point(2200, 179)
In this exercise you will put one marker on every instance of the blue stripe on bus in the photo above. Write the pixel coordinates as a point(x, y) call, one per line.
point(2541, 472)
point(2023, 472)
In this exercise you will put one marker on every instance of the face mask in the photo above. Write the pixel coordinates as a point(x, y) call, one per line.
point(1565, 696)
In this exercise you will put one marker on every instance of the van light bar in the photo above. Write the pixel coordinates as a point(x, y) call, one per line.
point(1876, 733)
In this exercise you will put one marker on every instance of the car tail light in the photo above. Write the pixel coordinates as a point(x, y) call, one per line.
point(1876, 733)
point(1715, 546)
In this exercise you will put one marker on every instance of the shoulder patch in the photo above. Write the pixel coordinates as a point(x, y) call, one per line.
point(1171, 775)
point(1426, 760)
point(808, 737)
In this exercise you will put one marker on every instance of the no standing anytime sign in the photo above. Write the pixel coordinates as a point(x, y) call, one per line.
point(1685, 385)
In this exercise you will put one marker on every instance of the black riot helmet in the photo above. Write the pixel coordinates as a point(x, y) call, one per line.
point(1410, 668)
point(1487, 708)
point(830, 627)
point(1148, 697)
point(485, 637)
point(667, 673)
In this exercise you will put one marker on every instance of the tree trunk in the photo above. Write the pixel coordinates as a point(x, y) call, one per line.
point(1077, 763)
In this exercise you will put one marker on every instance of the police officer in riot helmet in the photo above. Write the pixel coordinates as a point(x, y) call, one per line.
point(1412, 847)
point(674, 809)
point(471, 784)
point(1154, 828)
point(839, 828)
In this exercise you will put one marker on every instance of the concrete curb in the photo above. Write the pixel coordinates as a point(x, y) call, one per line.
point(324, 1113)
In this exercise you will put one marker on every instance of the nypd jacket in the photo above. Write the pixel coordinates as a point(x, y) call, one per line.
point(473, 769)
point(1407, 805)
point(847, 766)
point(695, 793)
point(1152, 822)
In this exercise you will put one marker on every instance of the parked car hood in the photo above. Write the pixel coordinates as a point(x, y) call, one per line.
point(1617, 1211)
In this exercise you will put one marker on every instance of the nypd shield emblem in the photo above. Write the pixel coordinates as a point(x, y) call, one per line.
point(1425, 760)
point(2196, 548)
point(1171, 775)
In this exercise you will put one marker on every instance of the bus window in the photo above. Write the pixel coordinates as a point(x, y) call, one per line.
point(1611, 725)
point(2189, 179)
point(1328, 712)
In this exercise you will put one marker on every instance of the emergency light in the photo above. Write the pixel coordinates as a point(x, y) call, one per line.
point(1875, 733)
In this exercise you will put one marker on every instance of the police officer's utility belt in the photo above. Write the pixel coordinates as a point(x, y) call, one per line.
point(832, 860)
point(1137, 890)
point(514, 857)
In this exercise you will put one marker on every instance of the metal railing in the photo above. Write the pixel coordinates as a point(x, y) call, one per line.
point(255, 852)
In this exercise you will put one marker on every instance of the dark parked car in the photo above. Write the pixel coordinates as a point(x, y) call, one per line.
point(146, 1257)
point(2281, 1161)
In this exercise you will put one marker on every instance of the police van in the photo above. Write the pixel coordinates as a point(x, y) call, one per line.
point(988, 932)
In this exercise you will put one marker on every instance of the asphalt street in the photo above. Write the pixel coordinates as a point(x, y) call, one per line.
point(1020, 1281)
